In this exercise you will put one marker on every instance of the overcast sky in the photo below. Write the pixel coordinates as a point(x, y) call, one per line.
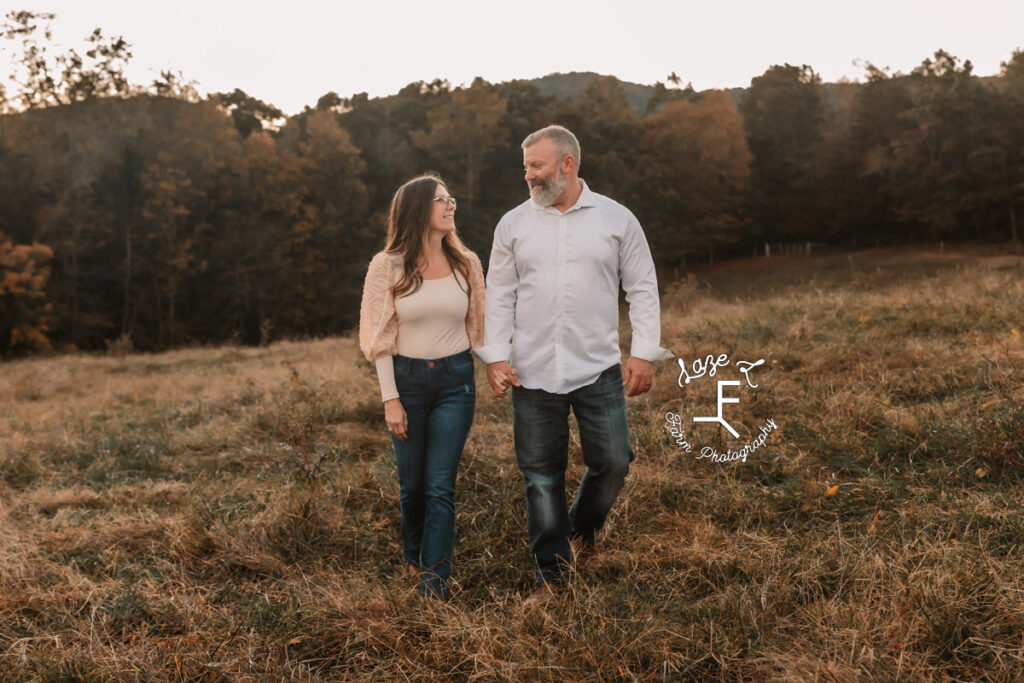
point(292, 52)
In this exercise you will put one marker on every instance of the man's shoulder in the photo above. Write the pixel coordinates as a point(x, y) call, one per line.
point(517, 212)
point(611, 212)
point(608, 204)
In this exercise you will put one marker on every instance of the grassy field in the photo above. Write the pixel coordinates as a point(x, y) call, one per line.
point(232, 513)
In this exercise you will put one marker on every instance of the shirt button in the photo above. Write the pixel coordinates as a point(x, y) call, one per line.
point(430, 364)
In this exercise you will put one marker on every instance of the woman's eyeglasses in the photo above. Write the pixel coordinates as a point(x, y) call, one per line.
point(450, 201)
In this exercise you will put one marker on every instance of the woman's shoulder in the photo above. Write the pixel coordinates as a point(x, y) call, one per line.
point(380, 272)
point(384, 259)
point(384, 256)
point(476, 268)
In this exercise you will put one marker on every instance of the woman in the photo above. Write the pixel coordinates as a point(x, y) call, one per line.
point(422, 310)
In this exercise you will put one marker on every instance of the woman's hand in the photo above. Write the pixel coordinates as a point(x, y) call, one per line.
point(502, 377)
point(394, 416)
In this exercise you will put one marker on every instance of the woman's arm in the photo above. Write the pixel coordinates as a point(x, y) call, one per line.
point(386, 376)
point(378, 332)
point(475, 314)
point(378, 325)
point(397, 422)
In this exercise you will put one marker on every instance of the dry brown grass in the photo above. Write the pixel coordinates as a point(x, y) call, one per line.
point(232, 514)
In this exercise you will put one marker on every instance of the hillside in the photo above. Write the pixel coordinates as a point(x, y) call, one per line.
point(571, 85)
point(232, 513)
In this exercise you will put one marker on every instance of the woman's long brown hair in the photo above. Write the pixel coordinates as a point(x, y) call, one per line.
point(408, 223)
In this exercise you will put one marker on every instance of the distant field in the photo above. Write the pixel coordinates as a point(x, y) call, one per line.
point(232, 513)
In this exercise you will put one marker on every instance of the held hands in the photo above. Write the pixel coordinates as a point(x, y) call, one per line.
point(501, 377)
point(394, 416)
point(638, 376)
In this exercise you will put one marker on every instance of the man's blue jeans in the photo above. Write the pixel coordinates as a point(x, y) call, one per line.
point(439, 397)
point(542, 451)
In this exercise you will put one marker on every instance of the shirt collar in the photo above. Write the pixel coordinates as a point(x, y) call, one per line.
point(585, 199)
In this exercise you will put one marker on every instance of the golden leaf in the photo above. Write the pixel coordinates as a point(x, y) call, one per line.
point(832, 490)
point(874, 521)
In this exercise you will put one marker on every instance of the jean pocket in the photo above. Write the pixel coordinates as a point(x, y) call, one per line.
point(462, 369)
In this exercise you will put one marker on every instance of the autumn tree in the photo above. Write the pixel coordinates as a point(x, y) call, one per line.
point(855, 180)
point(460, 135)
point(172, 219)
point(503, 185)
point(331, 240)
point(21, 194)
point(782, 114)
point(664, 94)
point(59, 154)
point(1012, 125)
point(248, 113)
point(24, 313)
point(166, 210)
point(387, 149)
point(382, 128)
point(172, 83)
point(695, 167)
point(46, 79)
point(943, 166)
point(607, 127)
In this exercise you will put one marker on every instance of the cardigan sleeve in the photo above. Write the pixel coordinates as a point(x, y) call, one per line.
point(475, 314)
point(378, 325)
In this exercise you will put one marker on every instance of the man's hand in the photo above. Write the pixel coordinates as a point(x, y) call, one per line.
point(394, 416)
point(501, 376)
point(638, 376)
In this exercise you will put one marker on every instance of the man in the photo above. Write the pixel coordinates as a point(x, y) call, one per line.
point(553, 289)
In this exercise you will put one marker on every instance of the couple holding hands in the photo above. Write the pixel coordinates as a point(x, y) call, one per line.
point(548, 334)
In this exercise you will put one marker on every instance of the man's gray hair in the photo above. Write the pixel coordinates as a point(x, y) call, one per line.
point(563, 138)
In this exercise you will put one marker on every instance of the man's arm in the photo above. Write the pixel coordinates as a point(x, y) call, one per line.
point(499, 313)
point(636, 268)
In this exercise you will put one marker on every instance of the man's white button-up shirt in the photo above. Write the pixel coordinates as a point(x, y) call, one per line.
point(553, 290)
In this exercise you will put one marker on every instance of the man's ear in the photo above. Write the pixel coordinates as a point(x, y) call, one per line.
point(568, 163)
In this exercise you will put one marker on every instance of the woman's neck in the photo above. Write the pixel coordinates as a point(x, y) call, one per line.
point(433, 251)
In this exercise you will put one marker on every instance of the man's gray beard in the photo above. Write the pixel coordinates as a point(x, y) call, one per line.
point(552, 189)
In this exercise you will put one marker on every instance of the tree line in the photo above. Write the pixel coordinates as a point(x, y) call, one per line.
point(149, 214)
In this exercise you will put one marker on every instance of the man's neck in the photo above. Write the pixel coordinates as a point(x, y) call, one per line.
point(569, 197)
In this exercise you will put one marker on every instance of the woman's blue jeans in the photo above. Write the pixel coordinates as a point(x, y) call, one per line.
point(542, 453)
point(439, 397)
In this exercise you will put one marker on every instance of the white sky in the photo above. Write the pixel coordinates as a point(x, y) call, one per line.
point(290, 53)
